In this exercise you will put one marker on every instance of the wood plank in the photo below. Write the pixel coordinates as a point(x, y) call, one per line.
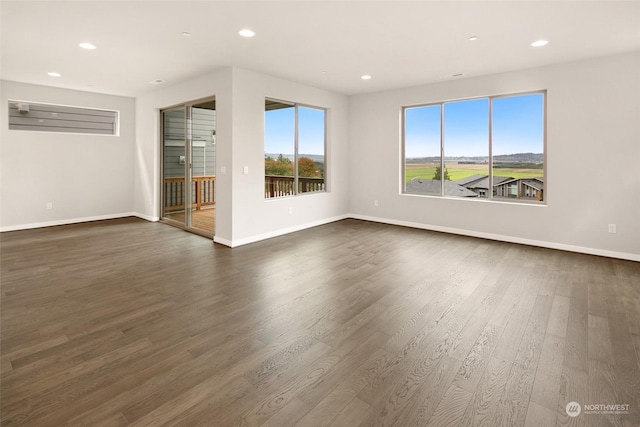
point(352, 415)
point(289, 415)
point(625, 364)
point(451, 409)
point(347, 358)
point(538, 416)
point(110, 400)
point(335, 401)
point(211, 389)
point(428, 396)
point(559, 316)
point(281, 392)
point(486, 398)
point(599, 342)
point(546, 386)
point(394, 402)
point(76, 395)
point(512, 409)
point(576, 348)
point(514, 329)
point(574, 387)
point(24, 390)
point(602, 388)
point(475, 363)
point(636, 344)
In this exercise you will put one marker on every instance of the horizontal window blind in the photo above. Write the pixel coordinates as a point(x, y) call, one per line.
point(57, 118)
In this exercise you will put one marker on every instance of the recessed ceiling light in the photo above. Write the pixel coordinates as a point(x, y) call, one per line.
point(54, 74)
point(247, 33)
point(186, 34)
point(366, 77)
point(156, 81)
point(473, 38)
point(539, 43)
point(88, 46)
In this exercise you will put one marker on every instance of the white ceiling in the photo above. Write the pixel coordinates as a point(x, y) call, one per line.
point(399, 43)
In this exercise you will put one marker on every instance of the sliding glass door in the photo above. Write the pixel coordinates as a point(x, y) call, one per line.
point(188, 171)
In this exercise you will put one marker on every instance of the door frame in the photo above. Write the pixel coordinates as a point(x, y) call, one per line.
point(188, 169)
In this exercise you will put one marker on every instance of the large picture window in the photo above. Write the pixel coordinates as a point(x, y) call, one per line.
point(294, 156)
point(487, 148)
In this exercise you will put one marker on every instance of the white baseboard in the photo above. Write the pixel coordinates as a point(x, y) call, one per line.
point(65, 221)
point(264, 236)
point(146, 217)
point(259, 237)
point(503, 238)
point(222, 241)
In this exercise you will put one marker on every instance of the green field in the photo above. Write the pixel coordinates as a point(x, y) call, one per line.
point(428, 170)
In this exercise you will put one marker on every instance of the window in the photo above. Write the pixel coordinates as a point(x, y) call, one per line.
point(57, 118)
point(294, 155)
point(489, 147)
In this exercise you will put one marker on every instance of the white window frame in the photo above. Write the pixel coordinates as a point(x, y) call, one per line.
point(296, 154)
point(491, 197)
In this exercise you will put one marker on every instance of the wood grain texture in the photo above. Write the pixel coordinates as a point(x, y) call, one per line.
point(352, 415)
point(546, 386)
point(451, 408)
point(539, 416)
point(574, 387)
point(126, 322)
point(559, 315)
point(486, 398)
point(512, 409)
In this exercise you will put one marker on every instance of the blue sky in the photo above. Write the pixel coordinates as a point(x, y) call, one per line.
point(279, 131)
point(466, 128)
point(517, 127)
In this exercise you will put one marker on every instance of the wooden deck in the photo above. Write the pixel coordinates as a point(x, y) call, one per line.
point(128, 322)
point(203, 219)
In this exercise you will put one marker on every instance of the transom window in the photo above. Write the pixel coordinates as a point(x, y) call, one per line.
point(294, 154)
point(32, 116)
point(486, 148)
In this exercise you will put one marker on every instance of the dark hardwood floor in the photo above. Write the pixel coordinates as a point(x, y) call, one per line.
point(126, 322)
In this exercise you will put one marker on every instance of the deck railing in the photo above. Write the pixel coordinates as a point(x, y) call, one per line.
point(202, 193)
point(279, 186)
point(203, 190)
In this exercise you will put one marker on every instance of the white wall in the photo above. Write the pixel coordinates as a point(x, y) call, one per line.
point(86, 177)
point(242, 213)
point(255, 218)
point(147, 145)
point(593, 155)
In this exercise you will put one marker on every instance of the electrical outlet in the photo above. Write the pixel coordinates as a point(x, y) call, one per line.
point(612, 229)
point(290, 211)
point(49, 205)
point(375, 203)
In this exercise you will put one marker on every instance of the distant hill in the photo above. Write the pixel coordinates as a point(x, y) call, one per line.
point(520, 157)
point(510, 158)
